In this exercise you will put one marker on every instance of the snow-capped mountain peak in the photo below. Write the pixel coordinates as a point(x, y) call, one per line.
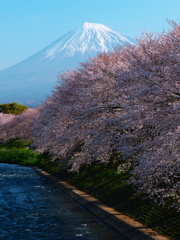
point(89, 36)
point(30, 81)
point(95, 26)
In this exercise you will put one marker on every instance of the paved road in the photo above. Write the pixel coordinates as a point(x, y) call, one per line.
point(31, 209)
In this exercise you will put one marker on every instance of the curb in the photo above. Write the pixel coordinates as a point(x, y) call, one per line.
point(125, 226)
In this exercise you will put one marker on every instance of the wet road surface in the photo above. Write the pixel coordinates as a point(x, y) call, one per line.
point(31, 209)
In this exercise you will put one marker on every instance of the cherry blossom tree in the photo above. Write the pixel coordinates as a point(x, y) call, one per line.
point(78, 112)
point(150, 90)
point(5, 121)
point(17, 126)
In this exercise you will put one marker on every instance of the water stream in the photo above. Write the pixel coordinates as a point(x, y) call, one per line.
point(31, 209)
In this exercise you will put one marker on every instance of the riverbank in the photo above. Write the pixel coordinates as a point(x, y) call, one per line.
point(109, 187)
point(106, 185)
point(124, 226)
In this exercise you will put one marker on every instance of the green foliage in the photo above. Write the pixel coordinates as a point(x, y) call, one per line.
point(15, 142)
point(17, 151)
point(19, 155)
point(12, 108)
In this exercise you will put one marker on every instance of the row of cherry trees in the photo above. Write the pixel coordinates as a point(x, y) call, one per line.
point(17, 126)
point(121, 107)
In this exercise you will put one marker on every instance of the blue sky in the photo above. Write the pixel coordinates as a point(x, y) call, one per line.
point(27, 26)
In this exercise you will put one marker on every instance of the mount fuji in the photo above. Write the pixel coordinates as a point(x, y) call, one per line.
point(31, 81)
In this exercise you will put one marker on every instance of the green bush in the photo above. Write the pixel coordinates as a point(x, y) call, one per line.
point(17, 151)
point(21, 156)
point(15, 142)
point(12, 108)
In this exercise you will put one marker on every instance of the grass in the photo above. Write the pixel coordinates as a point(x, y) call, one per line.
point(105, 184)
point(18, 152)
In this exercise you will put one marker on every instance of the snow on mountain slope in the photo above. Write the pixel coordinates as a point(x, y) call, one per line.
point(89, 37)
point(30, 81)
